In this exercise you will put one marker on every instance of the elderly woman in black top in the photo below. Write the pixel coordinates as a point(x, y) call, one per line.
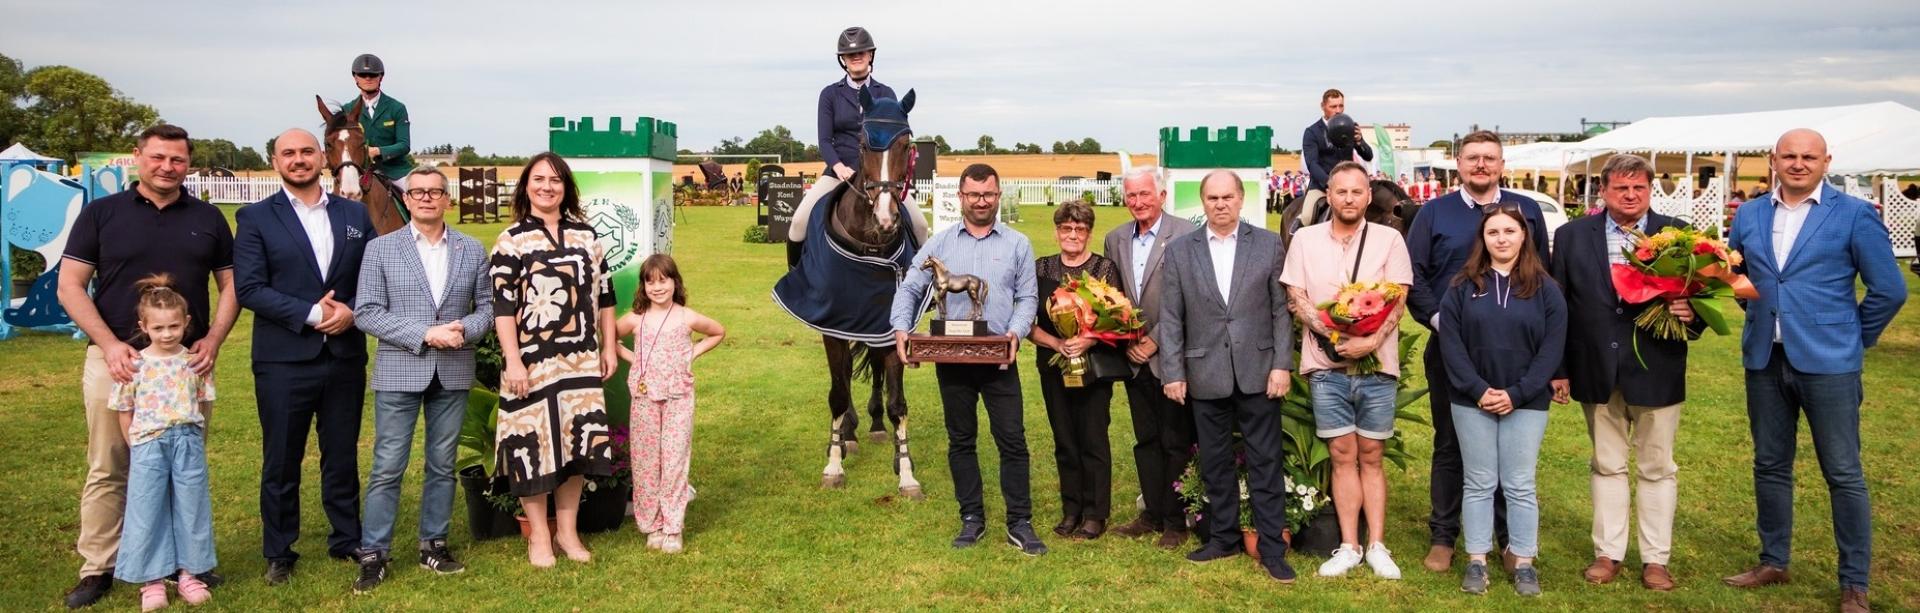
point(1078, 414)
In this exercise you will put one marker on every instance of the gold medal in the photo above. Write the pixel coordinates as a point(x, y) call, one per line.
point(643, 387)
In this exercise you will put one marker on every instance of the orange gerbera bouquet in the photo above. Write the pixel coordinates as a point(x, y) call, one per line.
point(1085, 306)
point(1360, 309)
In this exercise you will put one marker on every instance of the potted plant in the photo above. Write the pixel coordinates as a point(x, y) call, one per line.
point(474, 466)
point(1194, 493)
point(603, 506)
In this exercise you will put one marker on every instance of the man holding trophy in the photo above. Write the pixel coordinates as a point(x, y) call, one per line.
point(993, 265)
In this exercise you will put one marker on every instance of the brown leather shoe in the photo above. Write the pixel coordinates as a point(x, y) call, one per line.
point(1655, 577)
point(1137, 528)
point(1439, 558)
point(1602, 571)
point(1758, 576)
point(1853, 600)
point(1066, 525)
point(1173, 538)
point(1089, 530)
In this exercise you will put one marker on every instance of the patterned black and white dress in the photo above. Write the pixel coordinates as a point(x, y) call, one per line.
point(554, 291)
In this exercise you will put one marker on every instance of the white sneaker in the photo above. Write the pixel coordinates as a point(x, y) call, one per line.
point(1343, 560)
point(1382, 561)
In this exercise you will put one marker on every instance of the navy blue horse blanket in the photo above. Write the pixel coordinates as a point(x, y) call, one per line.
point(840, 292)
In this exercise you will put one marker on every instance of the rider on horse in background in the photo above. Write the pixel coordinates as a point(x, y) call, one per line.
point(384, 122)
point(840, 133)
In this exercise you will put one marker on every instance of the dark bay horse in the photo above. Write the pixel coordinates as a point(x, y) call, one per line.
point(858, 247)
point(347, 160)
point(1390, 206)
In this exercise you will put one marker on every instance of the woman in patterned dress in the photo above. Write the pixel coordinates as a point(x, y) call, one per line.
point(553, 312)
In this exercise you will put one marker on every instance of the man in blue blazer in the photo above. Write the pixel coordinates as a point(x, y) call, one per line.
point(1319, 153)
point(1805, 244)
point(425, 294)
point(296, 261)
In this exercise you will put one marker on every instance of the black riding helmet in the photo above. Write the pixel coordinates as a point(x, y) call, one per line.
point(852, 40)
point(368, 62)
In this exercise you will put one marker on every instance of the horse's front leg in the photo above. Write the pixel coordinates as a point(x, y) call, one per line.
point(895, 375)
point(840, 404)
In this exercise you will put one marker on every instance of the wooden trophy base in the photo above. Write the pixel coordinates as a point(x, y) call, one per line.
point(959, 342)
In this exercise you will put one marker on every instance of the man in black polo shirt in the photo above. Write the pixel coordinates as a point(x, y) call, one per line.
point(117, 240)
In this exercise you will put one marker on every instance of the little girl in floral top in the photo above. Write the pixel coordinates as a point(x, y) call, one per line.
point(661, 379)
point(168, 530)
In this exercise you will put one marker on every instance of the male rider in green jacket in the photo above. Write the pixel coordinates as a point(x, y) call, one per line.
point(384, 119)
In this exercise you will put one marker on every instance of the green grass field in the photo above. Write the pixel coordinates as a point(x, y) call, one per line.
point(763, 535)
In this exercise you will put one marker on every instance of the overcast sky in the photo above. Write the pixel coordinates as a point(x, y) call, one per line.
point(490, 74)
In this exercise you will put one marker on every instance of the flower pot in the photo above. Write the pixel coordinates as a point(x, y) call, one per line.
point(1251, 538)
point(1320, 536)
point(485, 522)
point(604, 509)
point(22, 287)
point(526, 527)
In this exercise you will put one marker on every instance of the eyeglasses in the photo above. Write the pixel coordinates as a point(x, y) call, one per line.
point(972, 197)
point(1480, 160)
point(432, 193)
point(367, 75)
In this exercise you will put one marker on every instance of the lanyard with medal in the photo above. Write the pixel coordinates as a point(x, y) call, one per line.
point(647, 357)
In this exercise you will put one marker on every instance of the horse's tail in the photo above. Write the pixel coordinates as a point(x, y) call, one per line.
point(869, 361)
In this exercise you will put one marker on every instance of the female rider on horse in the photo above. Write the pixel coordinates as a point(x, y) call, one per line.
point(840, 132)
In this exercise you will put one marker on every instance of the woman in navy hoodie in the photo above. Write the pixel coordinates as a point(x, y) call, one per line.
point(1503, 325)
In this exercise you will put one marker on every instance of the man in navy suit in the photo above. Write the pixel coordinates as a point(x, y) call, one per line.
point(296, 260)
point(1320, 155)
point(1803, 345)
point(1630, 383)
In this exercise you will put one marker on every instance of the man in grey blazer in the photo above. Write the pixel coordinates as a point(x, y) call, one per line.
point(425, 294)
point(1225, 339)
point(1162, 428)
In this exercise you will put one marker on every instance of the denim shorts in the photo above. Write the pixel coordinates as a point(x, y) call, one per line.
point(1344, 404)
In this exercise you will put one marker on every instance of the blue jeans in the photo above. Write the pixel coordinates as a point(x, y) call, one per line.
point(1344, 404)
point(1776, 397)
point(1500, 451)
point(394, 414)
point(169, 525)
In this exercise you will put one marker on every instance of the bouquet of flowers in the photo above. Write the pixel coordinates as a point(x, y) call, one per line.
point(1359, 310)
point(1671, 264)
point(1087, 307)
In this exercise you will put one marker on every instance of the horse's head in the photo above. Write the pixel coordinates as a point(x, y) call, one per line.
point(346, 146)
point(1389, 202)
point(886, 161)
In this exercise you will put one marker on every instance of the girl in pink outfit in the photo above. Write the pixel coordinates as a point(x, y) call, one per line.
point(660, 375)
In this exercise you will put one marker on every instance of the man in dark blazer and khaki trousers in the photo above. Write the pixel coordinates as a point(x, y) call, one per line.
point(1226, 340)
point(1632, 403)
point(1162, 428)
point(296, 263)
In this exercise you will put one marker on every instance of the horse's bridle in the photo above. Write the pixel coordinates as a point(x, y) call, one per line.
point(904, 187)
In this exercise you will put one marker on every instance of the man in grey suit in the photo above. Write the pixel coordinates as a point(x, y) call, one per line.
point(1225, 339)
point(1162, 428)
point(425, 294)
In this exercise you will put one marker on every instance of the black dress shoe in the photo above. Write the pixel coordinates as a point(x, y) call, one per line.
point(1066, 525)
point(279, 571)
point(1020, 535)
point(1210, 553)
point(971, 529)
point(1278, 569)
point(89, 590)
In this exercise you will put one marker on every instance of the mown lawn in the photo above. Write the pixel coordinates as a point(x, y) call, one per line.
point(763, 535)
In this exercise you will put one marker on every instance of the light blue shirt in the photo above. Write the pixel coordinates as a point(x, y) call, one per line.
point(1003, 258)
point(1142, 247)
point(1618, 238)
